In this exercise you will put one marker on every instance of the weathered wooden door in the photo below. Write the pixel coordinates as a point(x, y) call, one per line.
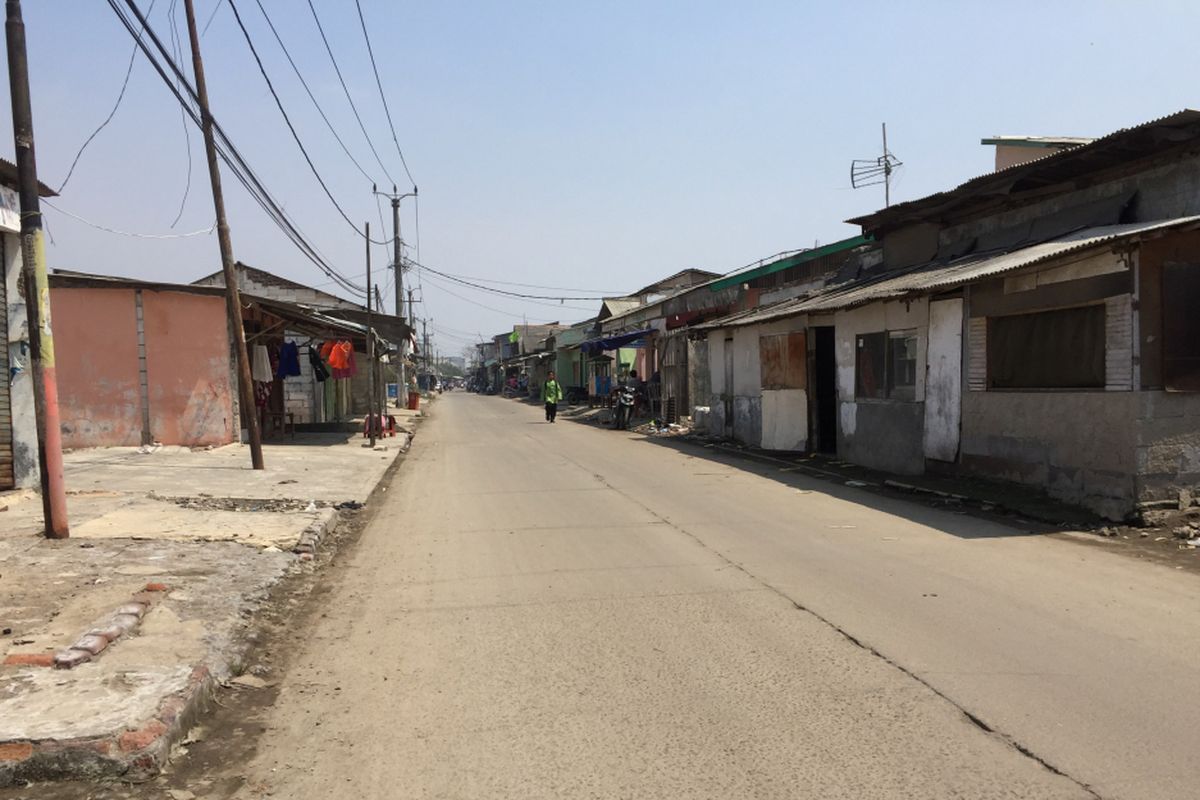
point(943, 382)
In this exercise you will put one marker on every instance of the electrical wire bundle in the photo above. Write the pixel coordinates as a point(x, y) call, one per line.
point(181, 87)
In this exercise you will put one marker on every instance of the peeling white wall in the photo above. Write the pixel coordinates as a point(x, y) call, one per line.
point(747, 372)
point(773, 419)
point(943, 401)
point(784, 419)
point(24, 415)
point(716, 361)
point(891, 430)
point(893, 316)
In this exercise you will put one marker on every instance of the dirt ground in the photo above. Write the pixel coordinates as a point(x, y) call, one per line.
point(210, 761)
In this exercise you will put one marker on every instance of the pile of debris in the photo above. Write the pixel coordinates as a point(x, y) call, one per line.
point(657, 428)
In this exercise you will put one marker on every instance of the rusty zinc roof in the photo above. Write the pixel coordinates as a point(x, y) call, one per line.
point(1119, 147)
point(936, 276)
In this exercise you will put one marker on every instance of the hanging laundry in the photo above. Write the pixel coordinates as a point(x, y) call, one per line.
point(260, 364)
point(340, 355)
point(327, 350)
point(262, 393)
point(289, 360)
point(320, 371)
point(346, 358)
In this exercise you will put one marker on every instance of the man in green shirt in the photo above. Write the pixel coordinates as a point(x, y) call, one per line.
point(551, 394)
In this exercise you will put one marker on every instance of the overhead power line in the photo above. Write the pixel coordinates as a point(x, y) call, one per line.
point(211, 17)
point(311, 96)
point(111, 114)
point(225, 148)
point(505, 292)
point(100, 227)
point(292, 128)
point(507, 313)
point(606, 294)
point(177, 49)
point(382, 96)
point(536, 302)
point(346, 90)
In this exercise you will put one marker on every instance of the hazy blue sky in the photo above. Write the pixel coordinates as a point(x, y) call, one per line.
point(590, 145)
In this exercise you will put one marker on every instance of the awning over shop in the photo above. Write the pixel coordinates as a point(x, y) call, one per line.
point(389, 327)
point(594, 346)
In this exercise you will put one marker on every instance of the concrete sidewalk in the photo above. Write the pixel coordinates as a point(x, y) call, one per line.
point(111, 641)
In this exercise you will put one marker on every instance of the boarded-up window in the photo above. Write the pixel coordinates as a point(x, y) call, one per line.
point(870, 356)
point(1118, 343)
point(977, 354)
point(1181, 327)
point(1061, 349)
point(783, 361)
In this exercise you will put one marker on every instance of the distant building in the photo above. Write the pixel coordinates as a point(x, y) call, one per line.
point(310, 400)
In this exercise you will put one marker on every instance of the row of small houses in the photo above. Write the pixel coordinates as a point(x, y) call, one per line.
point(147, 362)
point(1038, 324)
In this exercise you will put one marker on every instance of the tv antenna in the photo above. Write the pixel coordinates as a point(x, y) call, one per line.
point(874, 171)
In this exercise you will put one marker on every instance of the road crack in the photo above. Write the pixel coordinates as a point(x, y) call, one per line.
point(970, 716)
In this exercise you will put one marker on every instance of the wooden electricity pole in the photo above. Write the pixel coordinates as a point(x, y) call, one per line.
point(37, 286)
point(233, 300)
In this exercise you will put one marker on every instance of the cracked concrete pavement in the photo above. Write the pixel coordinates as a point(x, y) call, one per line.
point(560, 611)
point(557, 610)
point(164, 518)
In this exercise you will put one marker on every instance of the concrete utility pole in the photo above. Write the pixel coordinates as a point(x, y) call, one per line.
point(425, 343)
point(37, 286)
point(370, 345)
point(399, 280)
point(233, 301)
point(412, 320)
point(398, 266)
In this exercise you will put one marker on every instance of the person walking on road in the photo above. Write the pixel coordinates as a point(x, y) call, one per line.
point(551, 394)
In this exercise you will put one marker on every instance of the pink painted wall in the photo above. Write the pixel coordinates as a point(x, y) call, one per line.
point(187, 367)
point(95, 345)
point(187, 362)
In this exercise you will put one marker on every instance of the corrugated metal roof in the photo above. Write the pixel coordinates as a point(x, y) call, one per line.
point(8, 176)
point(1118, 147)
point(787, 262)
point(1039, 141)
point(64, 279)
point(933, 276)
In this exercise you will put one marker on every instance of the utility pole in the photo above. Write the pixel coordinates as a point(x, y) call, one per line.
point(233, 301)
point(399, 280)
point(37, 286)
point(370, 345)
point(887, 175)
point(398, 266)
point(425, 343)
point(412, 320)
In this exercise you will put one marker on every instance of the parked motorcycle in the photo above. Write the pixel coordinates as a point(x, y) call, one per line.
point(623, 411)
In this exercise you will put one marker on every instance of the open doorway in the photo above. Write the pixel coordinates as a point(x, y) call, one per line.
point(824, 390)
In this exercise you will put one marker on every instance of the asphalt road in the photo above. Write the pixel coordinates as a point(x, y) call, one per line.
point(561, 611)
